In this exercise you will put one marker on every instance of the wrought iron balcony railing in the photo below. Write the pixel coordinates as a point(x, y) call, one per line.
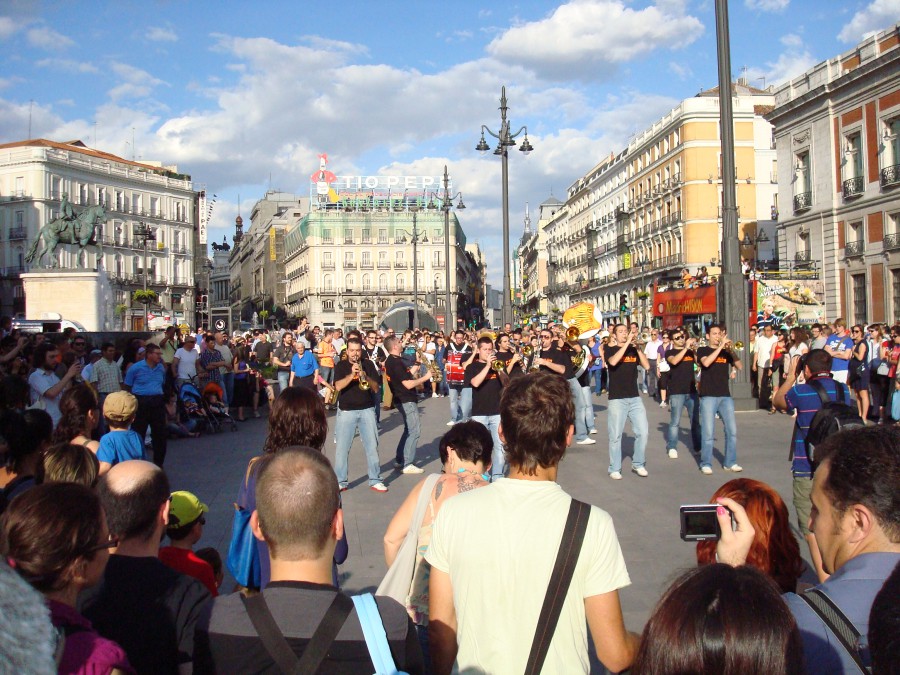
point(802, 201)
point(802, 256)
point(854, 249)
point(854, 187)
point(891, 242)
point(890, 176)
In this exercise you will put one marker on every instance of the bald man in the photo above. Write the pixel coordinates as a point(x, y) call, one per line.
point(147, 607)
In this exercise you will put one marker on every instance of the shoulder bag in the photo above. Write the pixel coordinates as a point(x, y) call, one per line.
point(560, 578)
point(837, 623)
point(376, 637)
point(399, 576)
point(243, 554)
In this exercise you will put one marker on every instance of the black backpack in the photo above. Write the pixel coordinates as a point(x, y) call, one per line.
point(832, 417)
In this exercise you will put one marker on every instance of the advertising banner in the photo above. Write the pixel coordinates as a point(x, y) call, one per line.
point(790, 301)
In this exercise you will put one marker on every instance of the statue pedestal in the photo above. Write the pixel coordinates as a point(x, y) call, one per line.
point(84, 296)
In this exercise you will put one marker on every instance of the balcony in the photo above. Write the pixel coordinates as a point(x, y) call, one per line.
point(349, 265)
point(802, 202)
point(802, 257)
point(17, 233)
point(890, 176)
point(384, 265)
point(854, 187)
point(400, 265)
point(891, 242)
point(854, 249)
point(327, 265)
point(365, 265)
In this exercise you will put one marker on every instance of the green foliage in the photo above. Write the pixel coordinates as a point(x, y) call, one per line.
point(144, 297)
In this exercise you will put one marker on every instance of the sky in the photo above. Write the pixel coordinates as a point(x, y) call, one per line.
point(244, 96)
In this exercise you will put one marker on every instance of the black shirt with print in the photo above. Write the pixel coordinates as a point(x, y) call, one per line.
point(623, 375)
point(714, 378)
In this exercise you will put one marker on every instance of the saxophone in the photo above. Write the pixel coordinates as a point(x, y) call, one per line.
point(436, 374)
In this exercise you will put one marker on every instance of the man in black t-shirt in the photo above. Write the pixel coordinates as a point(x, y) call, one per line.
point(625, 404)
point(716, 361)
point(403, 387)
point(263, 349)
point(281, 357)
point(681, 390)
point(298, 513)
point(356, 379)
point(147, 607)
point(487, 386)
point(555, 360)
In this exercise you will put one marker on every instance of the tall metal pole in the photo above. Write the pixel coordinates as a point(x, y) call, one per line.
point(732, 287)
point(415, 243)
point(144, 232)
point(448, 313)
point(506, 310)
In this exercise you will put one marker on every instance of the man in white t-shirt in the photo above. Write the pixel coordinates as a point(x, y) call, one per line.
point(483, 611)
point(651, 351)
point(762, 365)
point(46, 388)
point(184, 364)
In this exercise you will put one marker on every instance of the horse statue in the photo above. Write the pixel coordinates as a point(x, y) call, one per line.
point(80, 230)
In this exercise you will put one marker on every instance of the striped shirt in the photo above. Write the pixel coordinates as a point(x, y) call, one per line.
point(805, 400)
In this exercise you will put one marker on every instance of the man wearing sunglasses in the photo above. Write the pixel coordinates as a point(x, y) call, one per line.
point(682, 391)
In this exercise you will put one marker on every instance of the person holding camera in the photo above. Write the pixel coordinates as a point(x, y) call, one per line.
point(815, 366)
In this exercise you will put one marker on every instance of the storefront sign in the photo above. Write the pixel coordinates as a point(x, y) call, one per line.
point(685, 301)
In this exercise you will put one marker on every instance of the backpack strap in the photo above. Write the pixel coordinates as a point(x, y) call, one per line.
point(276, 644)
point(373, 631)
point(561, 577)
point(823, 395)
point(836, 622)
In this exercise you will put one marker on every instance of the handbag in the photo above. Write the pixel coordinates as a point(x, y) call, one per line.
point(884, 368)
point(243, 553)
point(399, 576)
point(560, 578)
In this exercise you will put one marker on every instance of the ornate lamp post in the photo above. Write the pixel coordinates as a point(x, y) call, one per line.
point(414, 235)
point(146, 234)
point(505, 140)
point(445, 203)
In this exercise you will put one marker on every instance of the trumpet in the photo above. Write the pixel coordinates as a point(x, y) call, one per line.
point(738, 346)
point(645, 336)
point(527, 351)
point(498, 365)
point(572, 334)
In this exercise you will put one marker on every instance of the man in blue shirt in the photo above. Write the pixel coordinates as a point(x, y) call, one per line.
point(856, 520)
point(145, 379)
point(805, 400)
point(303, 367)
point(839, 345)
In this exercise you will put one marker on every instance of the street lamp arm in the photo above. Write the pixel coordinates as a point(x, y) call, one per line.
point(497, 136)
point(516, 135)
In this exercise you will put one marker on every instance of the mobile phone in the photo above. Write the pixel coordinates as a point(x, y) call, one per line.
point(699, 522)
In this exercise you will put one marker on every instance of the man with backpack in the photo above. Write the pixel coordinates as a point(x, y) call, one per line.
point(815, 420)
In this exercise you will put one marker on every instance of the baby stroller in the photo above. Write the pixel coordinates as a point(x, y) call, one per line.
point(216, 410)
point(191, 406)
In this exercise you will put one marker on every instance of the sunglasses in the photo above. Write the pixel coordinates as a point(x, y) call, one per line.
point(111, 542)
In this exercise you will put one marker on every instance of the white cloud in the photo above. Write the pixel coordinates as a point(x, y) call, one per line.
point(792, 40)
point(67, 65)
point(136, 83)
point(793, 61)
point(877, 16)
point(48, 39)
point(767, 5)
point(8, 27)
point(587, 39)
point(681, 70)
point(159, 34)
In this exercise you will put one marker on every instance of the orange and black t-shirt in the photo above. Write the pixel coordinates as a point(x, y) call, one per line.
point(714, 378)
point(681, 375)
point(623, 375)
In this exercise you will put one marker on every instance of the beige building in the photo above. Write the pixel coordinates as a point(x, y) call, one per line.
point(837, 130)
point(639, 217)
point(34, 174)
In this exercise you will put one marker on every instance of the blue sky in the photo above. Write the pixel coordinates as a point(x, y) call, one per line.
point(243, 96)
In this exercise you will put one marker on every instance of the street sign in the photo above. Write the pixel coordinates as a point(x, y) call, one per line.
point(220, 324)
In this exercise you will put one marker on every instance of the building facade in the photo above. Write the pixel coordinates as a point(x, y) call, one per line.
point(642, 215)
point(137, 197)
point(837, 132)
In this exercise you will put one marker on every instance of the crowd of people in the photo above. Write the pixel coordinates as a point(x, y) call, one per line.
point(492, 566)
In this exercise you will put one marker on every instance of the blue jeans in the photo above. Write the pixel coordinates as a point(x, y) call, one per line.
point(228, 386)
point(406, 448)
point(709, 406)
point(597, 375)
point(325, 373)
point(345, 426)
point(460, 403)
point(619, 411)
point(581, 431)
point(498, 459)
point(588, 407)
point(284, 376)
point(676, 403)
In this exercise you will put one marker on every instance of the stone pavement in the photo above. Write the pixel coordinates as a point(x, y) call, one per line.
point(644, 510)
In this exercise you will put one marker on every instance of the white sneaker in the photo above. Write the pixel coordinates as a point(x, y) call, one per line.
point(736, 468)
point(662, 404)
point(450, 423)
point(640, 471)
point(593, 431)
point(615, 475)
point(706, 470)
point(379, 487)
point(673, 454)
point(412, 468)
point(435, 396)
point(586, 441)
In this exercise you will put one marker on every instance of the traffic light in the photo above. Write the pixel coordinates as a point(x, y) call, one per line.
point(623, 303)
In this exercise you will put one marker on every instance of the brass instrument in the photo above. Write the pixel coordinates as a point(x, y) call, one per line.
point(572, 334)
point(738, 345)
point(498, 365)
point(645, 337)
point(533, 367)
point(436, 374)
point(527, 351)
point(331, 394)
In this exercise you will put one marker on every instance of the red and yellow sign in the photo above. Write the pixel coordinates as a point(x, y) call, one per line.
point(685, 301)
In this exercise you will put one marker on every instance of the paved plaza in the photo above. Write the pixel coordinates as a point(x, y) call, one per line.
point(645, 510)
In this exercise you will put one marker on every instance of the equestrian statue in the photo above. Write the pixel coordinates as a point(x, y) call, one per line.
point(68, 228)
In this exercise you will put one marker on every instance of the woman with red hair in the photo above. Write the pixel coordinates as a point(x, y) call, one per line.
point(775, 550)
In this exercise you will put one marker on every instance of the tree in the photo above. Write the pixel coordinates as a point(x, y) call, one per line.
point(144, 297)
point(263, 314)
point(120, 312)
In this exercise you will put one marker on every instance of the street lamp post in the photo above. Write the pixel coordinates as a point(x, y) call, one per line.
point(415, 244)
point(505, 139)
point(446, 203)
point(144, 232)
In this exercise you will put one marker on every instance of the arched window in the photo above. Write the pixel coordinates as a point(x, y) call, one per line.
point(438, 282)
point(366, 283)
point(382, 282)
point(348, 282)
point(401, 283)
point(328, 283)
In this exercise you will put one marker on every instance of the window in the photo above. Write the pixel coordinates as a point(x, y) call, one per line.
point(438, 282)
point(154, 206)
point(348, 236)
point(366, 259)
point(366, 236)
point(895, 286)
point(436, 260)
point(856, 232)
point(366, 283)
point(401, 283)
point(803, 181)
point(135, 203)
point(382, 236)
point(890, 172)
point(19, 219)
point(328, 305)
point(382, 282)
point(860, 314)
point(326, 236)
point(398, 257)
point(852, 168)
point(101, 196)
point(120, 201)
point(349, 282)
point(55, 189)
point(348, 259)
point(328, 283)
